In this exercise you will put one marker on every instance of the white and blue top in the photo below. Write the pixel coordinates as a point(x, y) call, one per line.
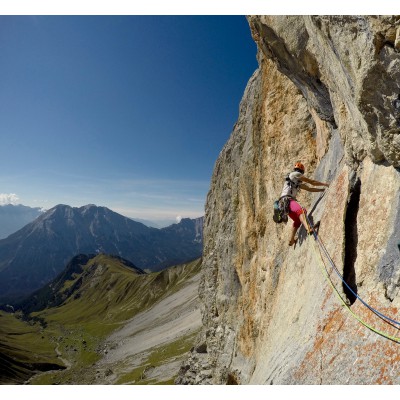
point(292, 184)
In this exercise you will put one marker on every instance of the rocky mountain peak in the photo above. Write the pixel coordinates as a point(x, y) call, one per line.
point(34, 255)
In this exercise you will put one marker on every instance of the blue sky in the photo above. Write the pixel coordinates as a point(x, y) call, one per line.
point(128, 112)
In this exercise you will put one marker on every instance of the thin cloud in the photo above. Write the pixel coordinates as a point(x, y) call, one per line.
point(8, 198)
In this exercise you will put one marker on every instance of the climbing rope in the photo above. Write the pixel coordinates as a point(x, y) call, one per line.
point(357, 317)
point(324, 270)
point(322, 246)
point(375, 311)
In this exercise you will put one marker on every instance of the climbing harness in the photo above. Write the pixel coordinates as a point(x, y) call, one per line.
point(324, 270)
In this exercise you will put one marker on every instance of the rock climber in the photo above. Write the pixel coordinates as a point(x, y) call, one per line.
point(295, 181)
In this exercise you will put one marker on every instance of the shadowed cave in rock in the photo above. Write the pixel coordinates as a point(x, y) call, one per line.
point(351, 241)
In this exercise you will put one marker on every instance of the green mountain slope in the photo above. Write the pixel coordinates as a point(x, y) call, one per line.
point(86, 303)
point(71, 282)
point(24, 350)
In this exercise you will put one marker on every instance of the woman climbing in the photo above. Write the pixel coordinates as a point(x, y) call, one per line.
point(294, 182)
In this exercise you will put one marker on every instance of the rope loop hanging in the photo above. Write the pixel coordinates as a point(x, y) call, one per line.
point(324, 270)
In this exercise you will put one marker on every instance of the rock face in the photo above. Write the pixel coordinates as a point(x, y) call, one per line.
point(326, 93)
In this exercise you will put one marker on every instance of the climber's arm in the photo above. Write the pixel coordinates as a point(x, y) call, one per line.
point(310, 189)
point(313, 182)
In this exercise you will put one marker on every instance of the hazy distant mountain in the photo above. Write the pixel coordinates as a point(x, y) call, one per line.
point(35, 254)
point(15, 217)
point(150, 224)
point(187, 228)
point(160, 223)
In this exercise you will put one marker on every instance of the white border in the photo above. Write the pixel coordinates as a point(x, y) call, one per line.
point(199, 7)
point(201, 392)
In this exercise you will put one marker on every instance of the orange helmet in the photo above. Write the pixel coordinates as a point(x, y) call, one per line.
point(300, 166)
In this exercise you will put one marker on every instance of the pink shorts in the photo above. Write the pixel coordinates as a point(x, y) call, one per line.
point(294, 212)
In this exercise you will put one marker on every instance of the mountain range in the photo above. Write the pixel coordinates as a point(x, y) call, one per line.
point(37, 253)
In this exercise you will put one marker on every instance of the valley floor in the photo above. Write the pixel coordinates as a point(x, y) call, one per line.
point(148, 349)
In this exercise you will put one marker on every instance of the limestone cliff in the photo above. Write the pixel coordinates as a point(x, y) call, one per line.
point(326, 93)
